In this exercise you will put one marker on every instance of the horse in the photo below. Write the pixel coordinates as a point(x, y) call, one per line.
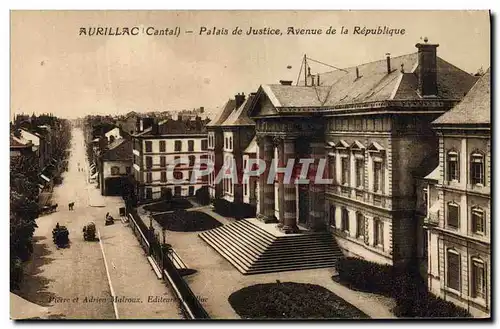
point(53, 208)
point(71, 205)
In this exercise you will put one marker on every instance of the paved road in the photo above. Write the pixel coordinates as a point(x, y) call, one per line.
point(80, 282)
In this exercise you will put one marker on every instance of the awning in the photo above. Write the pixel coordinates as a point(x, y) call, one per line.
point(45, 178)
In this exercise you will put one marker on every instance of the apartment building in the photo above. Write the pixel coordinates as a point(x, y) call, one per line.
point(456, 202)
point(157, 146)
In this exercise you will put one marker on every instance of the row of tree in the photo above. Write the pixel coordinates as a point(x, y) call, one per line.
point(24, 193)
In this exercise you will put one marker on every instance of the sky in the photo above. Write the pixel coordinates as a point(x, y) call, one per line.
point(56, 70)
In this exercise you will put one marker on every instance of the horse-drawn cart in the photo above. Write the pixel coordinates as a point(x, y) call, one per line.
point(89, 232)
point(48, 209)
point(60, 236)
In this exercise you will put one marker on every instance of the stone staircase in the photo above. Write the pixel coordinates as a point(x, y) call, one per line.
point(253, 250)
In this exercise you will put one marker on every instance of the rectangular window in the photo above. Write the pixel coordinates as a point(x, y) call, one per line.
point(332, 169)
point(453, 215)
point(245, 186)
point(149, 146)
point(191, 191)
point(163, 147)
point(163, 161)
point(149, 162)
point(190, 146)
point(178, 146)
point(204, 145)
point(477, 221)
point(453, 270)
point(345, 170)
point(360, 226)
point(377, 176)
point(453, 167)
point(128, 170)
point(425, 199)
point(477, 170)
point(379, 233)
point(478, 280)
point(333, 209)
point(149, 177)
point(163, 177)
point(360, 166)
point(149, 193)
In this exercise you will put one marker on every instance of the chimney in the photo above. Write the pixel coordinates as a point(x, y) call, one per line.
point(357, 73)
point(286, 82)
point(312, 80)
point(154, 128)
point(318, 79)
point(239, 99)
point(388, 58)
point(427, 68)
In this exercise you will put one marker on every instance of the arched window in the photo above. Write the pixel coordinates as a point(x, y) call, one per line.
point(477, 168)
point(478, 278)
point(453, 166)
point(345, 220)
point(115, 170)
point(453, 269)
point(453, 215)
point(477, 216)
point(360, 225)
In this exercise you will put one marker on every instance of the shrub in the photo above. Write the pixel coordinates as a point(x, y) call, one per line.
point(203, 196)
point(366, 276)
point(291, 300)
point(403, 284)
point(230, 209)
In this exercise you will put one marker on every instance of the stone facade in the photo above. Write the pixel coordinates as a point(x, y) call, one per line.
point(458, 205)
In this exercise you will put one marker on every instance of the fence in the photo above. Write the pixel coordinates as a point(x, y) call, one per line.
point(152, 246)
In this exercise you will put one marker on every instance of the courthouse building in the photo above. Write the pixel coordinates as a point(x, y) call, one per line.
point(372, 123)
point(457, 204)
point(156, 146)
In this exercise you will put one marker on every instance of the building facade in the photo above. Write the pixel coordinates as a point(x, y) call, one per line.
point(457, 203)
point(115, 166)
point(156, 148)
point(371, 125)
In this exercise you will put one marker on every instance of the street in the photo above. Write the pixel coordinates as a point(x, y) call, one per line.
point(106, 279)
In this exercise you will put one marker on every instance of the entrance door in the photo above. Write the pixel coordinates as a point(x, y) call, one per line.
point(303, 203)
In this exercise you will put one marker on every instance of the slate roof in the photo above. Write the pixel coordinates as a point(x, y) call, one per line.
point(176, 127)
point(119, 150)
point(475, 108)
point(252, 147)
point(341, 87)
point(239, 117)
point(223, 114)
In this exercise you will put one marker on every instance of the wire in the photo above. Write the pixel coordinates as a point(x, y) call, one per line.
point(338, 68)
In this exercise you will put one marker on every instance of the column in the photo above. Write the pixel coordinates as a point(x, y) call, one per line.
point(278, 143)
point(316, 191)
point(266, 191)
point(289, 191)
